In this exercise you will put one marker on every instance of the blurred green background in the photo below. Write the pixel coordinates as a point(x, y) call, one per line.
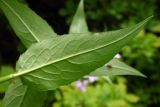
point(143, 52)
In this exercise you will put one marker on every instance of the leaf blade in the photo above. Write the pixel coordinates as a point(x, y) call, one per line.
point(79, 24)
point(116, 67)
point(66, 58)
point(19, 95)
point(28, 26)
point(63, 63)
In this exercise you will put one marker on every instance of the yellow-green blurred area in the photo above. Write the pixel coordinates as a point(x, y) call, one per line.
point(143, 53)
point(99, 94)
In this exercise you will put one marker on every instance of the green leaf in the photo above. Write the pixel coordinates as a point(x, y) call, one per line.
point(19, 95)
point(62, 60)
point(28, 26)
point(5, 70)
point(115, 67)
point(0, 103)
point(79, 24)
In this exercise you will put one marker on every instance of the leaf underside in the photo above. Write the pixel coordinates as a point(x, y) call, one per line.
point(28, 26)
point(59, 61)
point(19, 95)
point(115, 67)
point(53, 62)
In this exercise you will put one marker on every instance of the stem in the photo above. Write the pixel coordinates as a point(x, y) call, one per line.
point(10, 76)
point(6, 78)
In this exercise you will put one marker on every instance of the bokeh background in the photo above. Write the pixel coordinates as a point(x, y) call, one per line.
point(143, 53)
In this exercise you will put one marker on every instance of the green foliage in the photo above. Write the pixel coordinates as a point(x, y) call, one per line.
point(109, 14)
point(30, 28)
point(19, 95)
point(100, 94)
point(0, 103)
point(56, 61)
point(115, 67)
point(5, 70)
point(144, 47)
point(21, 19)
point(144, 54)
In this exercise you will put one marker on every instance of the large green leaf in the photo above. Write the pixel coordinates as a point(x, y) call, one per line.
point(79, 24)
point(19, 95)
point(29, 27)
point(115, 67)
point(54, 62)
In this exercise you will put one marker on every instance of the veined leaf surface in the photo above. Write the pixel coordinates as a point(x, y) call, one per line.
point(115, 67)
point(19, 95)
point(62, 60)
point(28, 26)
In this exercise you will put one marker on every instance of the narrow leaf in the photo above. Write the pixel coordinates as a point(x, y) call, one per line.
point(79, 24)
point(28, 26)
point(115, 67)
point(19, 95)
point(62, 60)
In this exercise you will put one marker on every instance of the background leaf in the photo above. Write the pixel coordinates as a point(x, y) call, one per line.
point(59, 61)
point(28, 26)
point(79, 24)
point(5, 70)
point(115, 67)
point(19, 95)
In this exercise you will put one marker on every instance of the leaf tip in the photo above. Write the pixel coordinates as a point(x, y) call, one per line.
point(148, 19)
point(142, 75)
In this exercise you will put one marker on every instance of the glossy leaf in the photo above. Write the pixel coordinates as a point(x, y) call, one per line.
point(62, 60)
point(115, 67)
point(19, 95)
point(79, 24)
point(28, 26)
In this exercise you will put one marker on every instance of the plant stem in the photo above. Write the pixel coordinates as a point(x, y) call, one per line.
point(6, 78)
point(11, 76)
